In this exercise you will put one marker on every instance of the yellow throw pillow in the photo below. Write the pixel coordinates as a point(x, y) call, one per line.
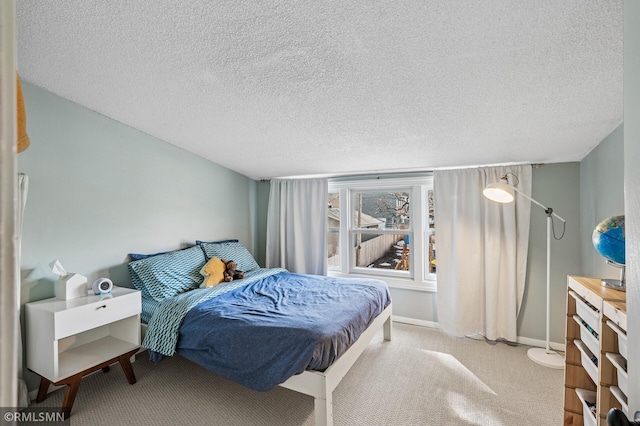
point(213, 272)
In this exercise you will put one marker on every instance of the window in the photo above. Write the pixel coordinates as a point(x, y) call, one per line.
point(430, 234)
point(383, 227)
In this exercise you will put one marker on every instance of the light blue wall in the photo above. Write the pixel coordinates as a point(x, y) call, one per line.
point(414, 304)
point(99, 190)
point(601, 196)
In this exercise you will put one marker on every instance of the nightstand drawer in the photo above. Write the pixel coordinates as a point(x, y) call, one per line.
point(86, 317)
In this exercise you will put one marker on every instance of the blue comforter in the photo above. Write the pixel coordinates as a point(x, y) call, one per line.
point(261, 334)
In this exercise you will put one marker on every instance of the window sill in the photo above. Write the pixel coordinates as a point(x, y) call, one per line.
point(428, 286)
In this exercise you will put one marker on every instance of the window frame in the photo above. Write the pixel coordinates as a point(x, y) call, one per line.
point(418, 277)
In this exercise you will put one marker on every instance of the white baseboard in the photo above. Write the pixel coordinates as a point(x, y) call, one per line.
point(413, 321)
point(522, 340)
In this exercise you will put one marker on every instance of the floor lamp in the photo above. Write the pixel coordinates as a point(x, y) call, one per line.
point(503, 192)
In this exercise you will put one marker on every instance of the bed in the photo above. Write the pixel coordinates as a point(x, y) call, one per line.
point(272, 328)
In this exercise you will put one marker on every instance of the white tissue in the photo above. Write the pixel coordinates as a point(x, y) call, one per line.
point(69, 285)
point(57, 268)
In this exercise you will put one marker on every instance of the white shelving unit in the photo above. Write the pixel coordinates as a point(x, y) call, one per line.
point(615, 362)
point(590, 377)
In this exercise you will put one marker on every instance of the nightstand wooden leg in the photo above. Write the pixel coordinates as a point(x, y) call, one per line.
point(73, 384)
point(125, 363)
point(42, 390)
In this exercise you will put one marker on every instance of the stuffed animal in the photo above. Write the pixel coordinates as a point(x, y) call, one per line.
point(213, 272)
point(231, 273)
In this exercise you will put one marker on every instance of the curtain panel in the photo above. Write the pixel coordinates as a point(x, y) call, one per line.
point(482, 252)
point(297, 225)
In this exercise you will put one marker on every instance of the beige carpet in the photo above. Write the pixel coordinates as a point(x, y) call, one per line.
point(421, 377)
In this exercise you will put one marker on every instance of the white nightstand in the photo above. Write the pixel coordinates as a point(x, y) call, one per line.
point(68, 339)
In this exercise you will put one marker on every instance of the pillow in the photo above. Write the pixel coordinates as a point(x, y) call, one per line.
point(165, 275)
point(198, 242)
point(213, 272)
point(137, 282)
point(235, 251)
point(139, 256)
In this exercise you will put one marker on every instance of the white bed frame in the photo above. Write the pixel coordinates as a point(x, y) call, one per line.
point(320, 385)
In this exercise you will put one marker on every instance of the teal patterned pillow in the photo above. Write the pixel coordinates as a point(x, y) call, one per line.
point(166, 275)
point(137, 283)
point(235, 251)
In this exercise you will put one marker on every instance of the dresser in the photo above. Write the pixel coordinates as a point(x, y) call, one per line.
point(595, 360)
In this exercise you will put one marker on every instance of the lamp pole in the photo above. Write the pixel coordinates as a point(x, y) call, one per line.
point(546, 357)
point(503, 192)
point(549, 219)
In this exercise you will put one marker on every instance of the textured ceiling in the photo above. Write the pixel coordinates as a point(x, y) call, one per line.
point(311, 87)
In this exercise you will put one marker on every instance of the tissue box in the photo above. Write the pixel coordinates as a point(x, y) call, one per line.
point(71, 286)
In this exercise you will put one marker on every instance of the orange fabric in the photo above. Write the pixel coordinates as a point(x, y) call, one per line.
point(23, 138)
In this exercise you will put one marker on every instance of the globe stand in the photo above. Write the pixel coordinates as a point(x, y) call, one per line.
point(621, 284)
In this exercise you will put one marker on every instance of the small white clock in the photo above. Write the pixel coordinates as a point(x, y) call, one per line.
point(102, 286)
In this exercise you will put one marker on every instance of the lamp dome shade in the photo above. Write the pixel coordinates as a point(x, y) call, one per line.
point(499, 192)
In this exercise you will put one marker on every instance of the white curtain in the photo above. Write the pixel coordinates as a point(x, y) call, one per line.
point(482, 252)
point(297, 225)
point(23, 188)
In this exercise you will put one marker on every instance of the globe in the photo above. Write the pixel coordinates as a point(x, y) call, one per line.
point(608, 239)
